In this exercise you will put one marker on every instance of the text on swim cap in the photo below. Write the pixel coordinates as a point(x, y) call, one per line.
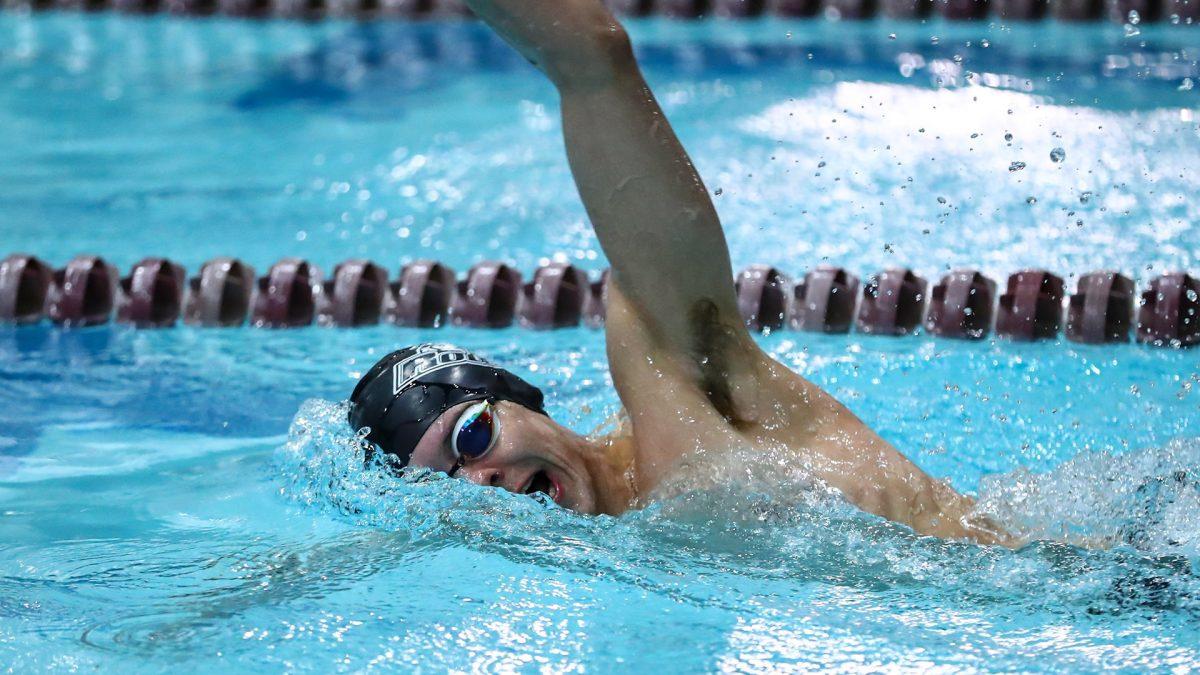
point(430, 358)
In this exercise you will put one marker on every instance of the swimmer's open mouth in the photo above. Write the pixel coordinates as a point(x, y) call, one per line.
point(541, 482)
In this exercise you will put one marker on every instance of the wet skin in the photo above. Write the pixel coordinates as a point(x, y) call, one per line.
point(687, 371)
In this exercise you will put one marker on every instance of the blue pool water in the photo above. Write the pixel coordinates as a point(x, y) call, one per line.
point(189, 498)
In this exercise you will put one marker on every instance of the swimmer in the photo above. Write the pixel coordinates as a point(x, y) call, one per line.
point(687, 371)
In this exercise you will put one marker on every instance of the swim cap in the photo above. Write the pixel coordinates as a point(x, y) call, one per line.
point(403, 394)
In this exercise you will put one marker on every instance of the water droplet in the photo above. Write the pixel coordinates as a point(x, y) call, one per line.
point(820, 165)
point(1008, 137)
point(888, 248)
point(934, 40)
point(985, 44)
point(1134, 17)
point(1016, 166)
point(1057, 155)
point(1031, 199)
point(1131, 30)
point(891, 36)
point(719, 192)
point(1191, 295)
point(1085, 197)
point(941, 200)
point(1187, 84)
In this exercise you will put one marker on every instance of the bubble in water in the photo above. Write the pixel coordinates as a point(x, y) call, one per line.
point(891, 36)
point(1031, 199)
point(1057, 155)
point(1016, 166)
point(1008, 137)
point(1134, 17)
point(719, 192)
point(1085, 197)
point(1187, 84)
point(941, 200)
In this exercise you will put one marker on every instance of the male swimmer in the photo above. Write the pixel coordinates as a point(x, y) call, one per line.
point(687, 371)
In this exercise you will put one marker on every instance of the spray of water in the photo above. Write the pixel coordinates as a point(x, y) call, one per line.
point(1136, 513)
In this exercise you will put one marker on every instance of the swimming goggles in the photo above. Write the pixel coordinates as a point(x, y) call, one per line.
point(475, 434)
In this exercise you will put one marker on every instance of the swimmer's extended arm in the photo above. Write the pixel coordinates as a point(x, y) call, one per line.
point(673, 317)
point(649, 207)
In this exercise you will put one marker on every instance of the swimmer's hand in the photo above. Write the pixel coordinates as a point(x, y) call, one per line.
point(574, 42)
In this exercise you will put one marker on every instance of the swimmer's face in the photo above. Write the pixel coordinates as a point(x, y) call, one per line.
point(532, 453)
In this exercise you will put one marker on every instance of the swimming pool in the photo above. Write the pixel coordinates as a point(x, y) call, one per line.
point(174, 499)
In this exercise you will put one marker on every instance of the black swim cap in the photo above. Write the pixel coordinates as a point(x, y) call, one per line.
point(402, 395)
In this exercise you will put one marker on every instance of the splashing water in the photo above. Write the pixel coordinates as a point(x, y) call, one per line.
point(759, 523)
point(1149, 500)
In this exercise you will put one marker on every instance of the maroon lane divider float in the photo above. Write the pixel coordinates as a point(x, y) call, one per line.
point(220, 296)
point(961, 306)
point(964, 304)
point(357, 295)
point(286, 297)
point(1101, 310)
point(423, 294)
point(152, 295)
point(487, 298)
point(556, 297)
point(763, 297)
point(24, 287)
point(82, 293)
point(893, 303)
point(824, 301)
point(1031, 308)
point(1170, 311)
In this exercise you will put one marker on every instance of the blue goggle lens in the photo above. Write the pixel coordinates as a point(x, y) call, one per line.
point(476, 431)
